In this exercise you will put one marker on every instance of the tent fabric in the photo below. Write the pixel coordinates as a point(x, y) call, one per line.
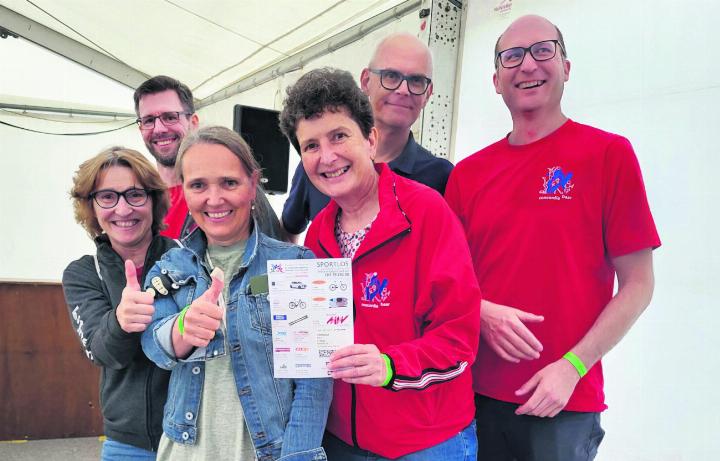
point(206, 44)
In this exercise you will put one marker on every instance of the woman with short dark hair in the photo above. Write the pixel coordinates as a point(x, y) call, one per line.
point(404, 390)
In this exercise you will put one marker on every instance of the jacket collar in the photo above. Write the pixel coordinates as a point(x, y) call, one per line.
point(390, 222)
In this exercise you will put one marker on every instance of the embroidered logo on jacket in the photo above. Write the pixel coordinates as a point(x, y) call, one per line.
point(375, 291)
point(557, 185)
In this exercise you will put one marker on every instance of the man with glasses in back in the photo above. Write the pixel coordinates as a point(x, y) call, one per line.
point(166, 112)
point(398, 82)
point(552, 214)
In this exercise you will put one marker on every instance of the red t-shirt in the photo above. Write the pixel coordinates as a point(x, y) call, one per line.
point(542, 221)
point(176, 214)
point(138, 274)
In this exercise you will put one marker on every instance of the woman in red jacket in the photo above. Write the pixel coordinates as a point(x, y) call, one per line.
point(404, 390)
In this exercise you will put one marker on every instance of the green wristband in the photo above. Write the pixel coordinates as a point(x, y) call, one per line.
point(576, 362)
point(388, 365)
point(181, 320)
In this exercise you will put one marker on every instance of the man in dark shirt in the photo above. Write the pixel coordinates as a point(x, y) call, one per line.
point(398, 84)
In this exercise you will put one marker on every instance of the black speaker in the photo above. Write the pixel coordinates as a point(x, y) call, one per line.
point(261, 130)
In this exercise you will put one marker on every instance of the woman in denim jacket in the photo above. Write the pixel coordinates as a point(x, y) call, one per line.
point(214, 332)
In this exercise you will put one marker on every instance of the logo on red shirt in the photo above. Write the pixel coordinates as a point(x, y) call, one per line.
point(557, 185)
point(374, 289)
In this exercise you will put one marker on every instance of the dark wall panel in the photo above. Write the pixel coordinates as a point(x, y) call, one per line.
point(48, 388)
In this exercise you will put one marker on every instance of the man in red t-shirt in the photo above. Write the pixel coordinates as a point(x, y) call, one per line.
point(166, 112)
point(552, 213)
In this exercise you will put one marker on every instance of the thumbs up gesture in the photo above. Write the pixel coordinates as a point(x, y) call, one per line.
point(203, 317)
point(135, 310)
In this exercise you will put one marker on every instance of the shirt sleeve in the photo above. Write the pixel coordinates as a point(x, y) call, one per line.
point(296, 211)
point(441, 174)
point(448, 302)
point(452, 194)
point(266, 217)
point(627, 220)
point(93, 317)
point(177, 213)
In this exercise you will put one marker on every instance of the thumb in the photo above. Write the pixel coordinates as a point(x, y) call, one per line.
point(218, 282)
point(528, 317)
point(528, 386)
point(131, 276)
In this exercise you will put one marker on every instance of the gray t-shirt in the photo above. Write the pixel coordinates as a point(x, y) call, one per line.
point(222, 433)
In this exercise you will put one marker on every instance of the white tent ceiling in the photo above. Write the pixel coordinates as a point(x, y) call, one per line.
point(209, 45)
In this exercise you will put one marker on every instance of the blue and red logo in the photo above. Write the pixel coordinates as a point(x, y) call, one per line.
point(557, 184)
point(275, 267)
point(374, 289)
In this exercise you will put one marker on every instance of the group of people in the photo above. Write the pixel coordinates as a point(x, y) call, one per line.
point(173, 309)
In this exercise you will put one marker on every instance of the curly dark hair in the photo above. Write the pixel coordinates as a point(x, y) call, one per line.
point(161, 83)
point(320, 90)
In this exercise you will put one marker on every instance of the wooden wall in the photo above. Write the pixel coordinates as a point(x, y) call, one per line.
point(48, 388)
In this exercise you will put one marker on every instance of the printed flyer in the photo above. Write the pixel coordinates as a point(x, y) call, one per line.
point(311, 305)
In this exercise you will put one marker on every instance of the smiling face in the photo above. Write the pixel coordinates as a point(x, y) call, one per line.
point(533, 86)
point(129, 228)
point(219, 192)
point(163, 141)
point(397, 109)
point(336, 156)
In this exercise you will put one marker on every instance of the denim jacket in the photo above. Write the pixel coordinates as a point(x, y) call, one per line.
point(285, 417)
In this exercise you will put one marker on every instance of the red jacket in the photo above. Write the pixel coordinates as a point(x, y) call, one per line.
point(417, 299)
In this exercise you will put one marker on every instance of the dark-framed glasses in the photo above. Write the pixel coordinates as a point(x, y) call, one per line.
point(167, 118)
point(540, 51)
point(392, 79)
point(108, 198)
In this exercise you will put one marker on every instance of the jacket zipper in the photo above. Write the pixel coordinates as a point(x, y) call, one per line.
point(148, 409)
point(353, 403)
point(353, 422)
point(382, 244)
point(148, 384)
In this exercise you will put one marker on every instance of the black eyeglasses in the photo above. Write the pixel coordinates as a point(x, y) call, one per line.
point(392, 79)
point(540, 51)
point(108, 198)
point(167, 118)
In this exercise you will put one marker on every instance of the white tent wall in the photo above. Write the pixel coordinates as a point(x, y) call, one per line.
point(27, 69)
point(640, 69)
point(55, 239)
point(39, 234)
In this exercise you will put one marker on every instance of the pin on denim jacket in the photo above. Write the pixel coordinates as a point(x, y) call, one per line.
point(285, 417)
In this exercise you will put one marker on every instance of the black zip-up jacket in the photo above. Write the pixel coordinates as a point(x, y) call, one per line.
point(132, 389)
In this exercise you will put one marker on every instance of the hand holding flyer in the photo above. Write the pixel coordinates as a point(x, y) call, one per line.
point(311, 304)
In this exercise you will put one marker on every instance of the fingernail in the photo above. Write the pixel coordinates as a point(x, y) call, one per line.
point(218, 274)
